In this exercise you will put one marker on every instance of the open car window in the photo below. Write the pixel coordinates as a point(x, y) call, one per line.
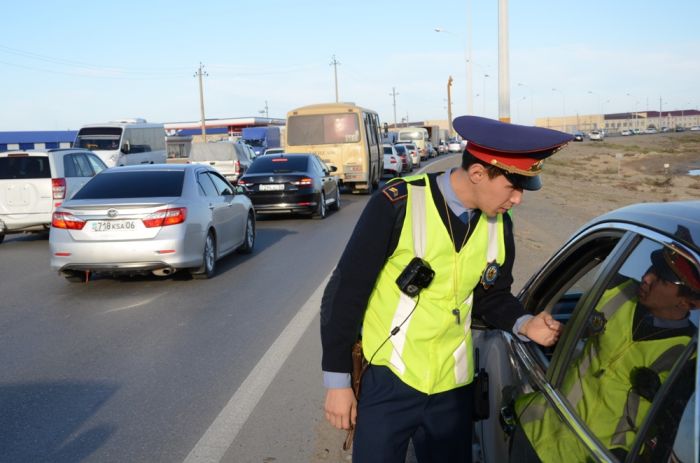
point(624, 370)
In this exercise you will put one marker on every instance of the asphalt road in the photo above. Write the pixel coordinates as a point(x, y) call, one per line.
point(172, 369)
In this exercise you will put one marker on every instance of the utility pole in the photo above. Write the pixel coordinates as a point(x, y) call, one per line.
point(335, 64)
point(393, 94)
point(449, 106)
point(503, 66)
point(265, 110)
point(200, 72)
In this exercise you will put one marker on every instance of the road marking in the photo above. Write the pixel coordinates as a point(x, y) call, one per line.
point(212, 446)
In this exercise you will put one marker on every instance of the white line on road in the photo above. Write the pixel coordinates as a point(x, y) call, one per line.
point(223, 431)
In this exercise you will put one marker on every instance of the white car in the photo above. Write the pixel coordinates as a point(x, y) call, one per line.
point(393, 164)
point(596, 135)
point(454, 146)
point(33, 183)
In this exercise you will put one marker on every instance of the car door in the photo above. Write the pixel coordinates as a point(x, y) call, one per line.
point(574, 394)
point(220, 212)
point(328, 182)
point(78, 168)
point(235, 213)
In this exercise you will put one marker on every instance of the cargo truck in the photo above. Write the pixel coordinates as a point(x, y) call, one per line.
point(261, 138)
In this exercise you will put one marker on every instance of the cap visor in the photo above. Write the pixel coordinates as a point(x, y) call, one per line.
point(524, 182)
point(662, 268)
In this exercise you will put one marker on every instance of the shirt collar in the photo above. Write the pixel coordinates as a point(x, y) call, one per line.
point(445, 186)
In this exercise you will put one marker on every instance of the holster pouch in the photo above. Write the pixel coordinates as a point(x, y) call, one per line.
point(481, 409)
point(359, 365)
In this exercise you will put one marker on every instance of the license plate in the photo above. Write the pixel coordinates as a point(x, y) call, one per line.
point(272, 187)
point(113, 225)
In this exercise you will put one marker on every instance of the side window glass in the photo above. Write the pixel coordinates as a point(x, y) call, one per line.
point(206, 184)
point(97, 165)
point(69, 167)
point(84, 167)
point(629, 365)
point(223, 188)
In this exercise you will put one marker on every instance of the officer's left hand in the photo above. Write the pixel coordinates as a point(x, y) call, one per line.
point(543, 329)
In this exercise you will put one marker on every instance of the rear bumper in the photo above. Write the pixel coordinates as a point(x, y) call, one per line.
point(10, 223)
point(286, 203)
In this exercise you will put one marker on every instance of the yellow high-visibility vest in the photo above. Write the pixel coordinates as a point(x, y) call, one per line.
point(432, 350)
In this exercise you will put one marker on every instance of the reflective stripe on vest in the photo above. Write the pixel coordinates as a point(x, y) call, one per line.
point(430, 352)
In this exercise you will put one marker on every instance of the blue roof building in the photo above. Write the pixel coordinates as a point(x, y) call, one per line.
point(44, 139)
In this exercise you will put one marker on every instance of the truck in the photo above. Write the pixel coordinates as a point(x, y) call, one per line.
point(261, 138)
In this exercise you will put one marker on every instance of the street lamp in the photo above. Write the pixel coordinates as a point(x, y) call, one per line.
point(468, 78)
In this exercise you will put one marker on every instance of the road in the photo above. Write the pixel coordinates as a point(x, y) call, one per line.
point(163, 370)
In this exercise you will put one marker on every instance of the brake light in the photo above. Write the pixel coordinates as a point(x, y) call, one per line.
point(244, 183)
point(67, 221)
point(165, 217)
point(237, 166)
point(58, 187)
point(304, 181)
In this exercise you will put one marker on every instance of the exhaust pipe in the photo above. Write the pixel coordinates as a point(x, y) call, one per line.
point(163, 272)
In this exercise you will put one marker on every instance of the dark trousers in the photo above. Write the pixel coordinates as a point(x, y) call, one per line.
point(390, 413)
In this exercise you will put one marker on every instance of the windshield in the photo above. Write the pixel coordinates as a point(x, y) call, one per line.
point(323, 129)
point(278, 164)
point(99, 138)
point(415, 135)
point(133, 184)
point(254, 142)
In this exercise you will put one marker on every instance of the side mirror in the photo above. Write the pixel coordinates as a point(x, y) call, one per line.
point(126, 147)
point(332, 168)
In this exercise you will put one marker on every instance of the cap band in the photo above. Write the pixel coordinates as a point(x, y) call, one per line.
point(528, 167)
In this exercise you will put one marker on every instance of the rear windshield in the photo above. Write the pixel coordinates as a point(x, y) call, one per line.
point(278, 164)
point(148, 184)
point(400, 149)
point(24, 167)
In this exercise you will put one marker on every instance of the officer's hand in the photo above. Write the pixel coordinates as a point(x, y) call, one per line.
point(543, 329)
point(341, 407)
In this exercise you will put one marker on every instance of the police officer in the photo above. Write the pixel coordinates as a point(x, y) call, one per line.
point(612, 384)
point(426, 251)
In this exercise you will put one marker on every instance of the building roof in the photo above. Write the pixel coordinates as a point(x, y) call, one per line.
point(40, 136)
point(643, 114)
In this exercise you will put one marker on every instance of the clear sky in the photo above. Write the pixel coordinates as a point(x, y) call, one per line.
point(68, 63)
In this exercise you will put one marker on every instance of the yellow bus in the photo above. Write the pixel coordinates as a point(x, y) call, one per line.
point(344, 135)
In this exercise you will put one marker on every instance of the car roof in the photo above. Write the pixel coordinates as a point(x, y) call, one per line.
point(665, 218)
point(151, 167)
point(42, 152)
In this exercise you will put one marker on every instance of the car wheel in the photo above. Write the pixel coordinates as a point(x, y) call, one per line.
point(321, 211)
point(208, 259)
point(249, 242)
point(75, 276)
point(336, 205)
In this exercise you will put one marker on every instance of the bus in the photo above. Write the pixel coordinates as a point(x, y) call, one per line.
point(124, 142)
point(343, 135)
point(417, 135)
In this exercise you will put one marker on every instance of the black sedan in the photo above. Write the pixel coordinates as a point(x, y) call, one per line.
point(619, 385)
point(292, 183)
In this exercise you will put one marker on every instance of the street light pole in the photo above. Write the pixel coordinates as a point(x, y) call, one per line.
point(393, 94)
point(449, 106)
point(503, 63)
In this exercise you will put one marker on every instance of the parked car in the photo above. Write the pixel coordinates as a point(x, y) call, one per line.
point(621, 378)
point(626, 133)
point(393, 164)
point(454, 146)
point(405, 157)
point(292, 183)
point(151, 218)
point(230, 159)
point(596, 135)
point(578, 136)
point(413, 153)
point(34, 183)
point(695, 128)
point(650, 130)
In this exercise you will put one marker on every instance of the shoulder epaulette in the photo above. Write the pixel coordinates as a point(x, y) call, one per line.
point(395, 190)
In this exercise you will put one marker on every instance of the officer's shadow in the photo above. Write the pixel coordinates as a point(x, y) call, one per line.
point(41, 422)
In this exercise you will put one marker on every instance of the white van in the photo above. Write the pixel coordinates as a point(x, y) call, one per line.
point(125, 142)
point(417, 135)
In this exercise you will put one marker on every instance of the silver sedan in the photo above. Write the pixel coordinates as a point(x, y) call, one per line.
point(151, 218)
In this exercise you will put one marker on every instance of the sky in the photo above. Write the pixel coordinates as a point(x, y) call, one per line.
point(70, 63)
